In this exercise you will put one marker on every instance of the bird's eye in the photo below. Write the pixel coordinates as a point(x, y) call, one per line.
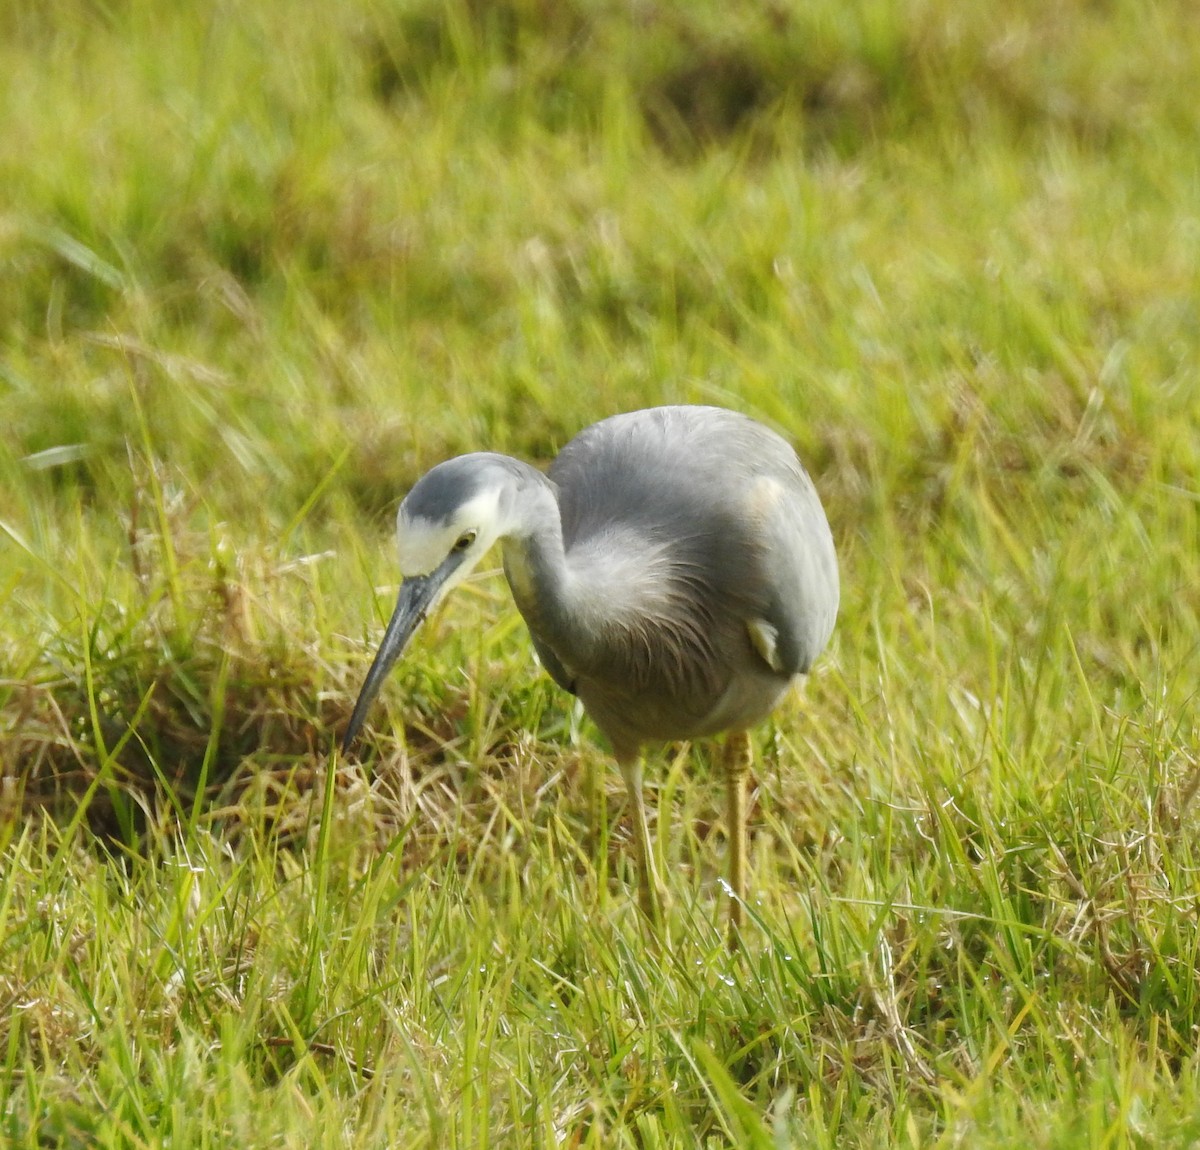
point(464, 541)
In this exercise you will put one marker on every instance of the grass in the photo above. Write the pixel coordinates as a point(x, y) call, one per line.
point(262, 265)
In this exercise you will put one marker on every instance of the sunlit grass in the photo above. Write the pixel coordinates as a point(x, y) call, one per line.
point(260, 267)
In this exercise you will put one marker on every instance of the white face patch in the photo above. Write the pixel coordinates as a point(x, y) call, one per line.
point(422, 544)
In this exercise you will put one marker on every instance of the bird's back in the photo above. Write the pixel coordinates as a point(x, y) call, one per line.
point(708, 565)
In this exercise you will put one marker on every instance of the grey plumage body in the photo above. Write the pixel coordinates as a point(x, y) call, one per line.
point(674, 566)
point(689, 534)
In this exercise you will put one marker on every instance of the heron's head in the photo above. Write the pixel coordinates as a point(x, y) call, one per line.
point(451, 518)
point(445, 526)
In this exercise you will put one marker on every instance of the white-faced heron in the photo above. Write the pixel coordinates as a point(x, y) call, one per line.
point(676, 571)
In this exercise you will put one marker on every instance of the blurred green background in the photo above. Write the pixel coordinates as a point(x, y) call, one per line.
point(262, 264)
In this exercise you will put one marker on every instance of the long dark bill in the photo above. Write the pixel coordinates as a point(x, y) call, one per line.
point(417, 593)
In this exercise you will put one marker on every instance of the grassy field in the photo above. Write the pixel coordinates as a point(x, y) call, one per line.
point(262, 264)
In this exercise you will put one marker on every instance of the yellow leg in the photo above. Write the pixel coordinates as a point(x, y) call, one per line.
point(738, 755)
point(650, 893)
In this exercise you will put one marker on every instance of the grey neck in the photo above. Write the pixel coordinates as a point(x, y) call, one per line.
point(547, 592)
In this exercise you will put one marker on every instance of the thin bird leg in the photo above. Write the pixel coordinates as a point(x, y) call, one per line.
point(650, 892)
point(738, 756)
